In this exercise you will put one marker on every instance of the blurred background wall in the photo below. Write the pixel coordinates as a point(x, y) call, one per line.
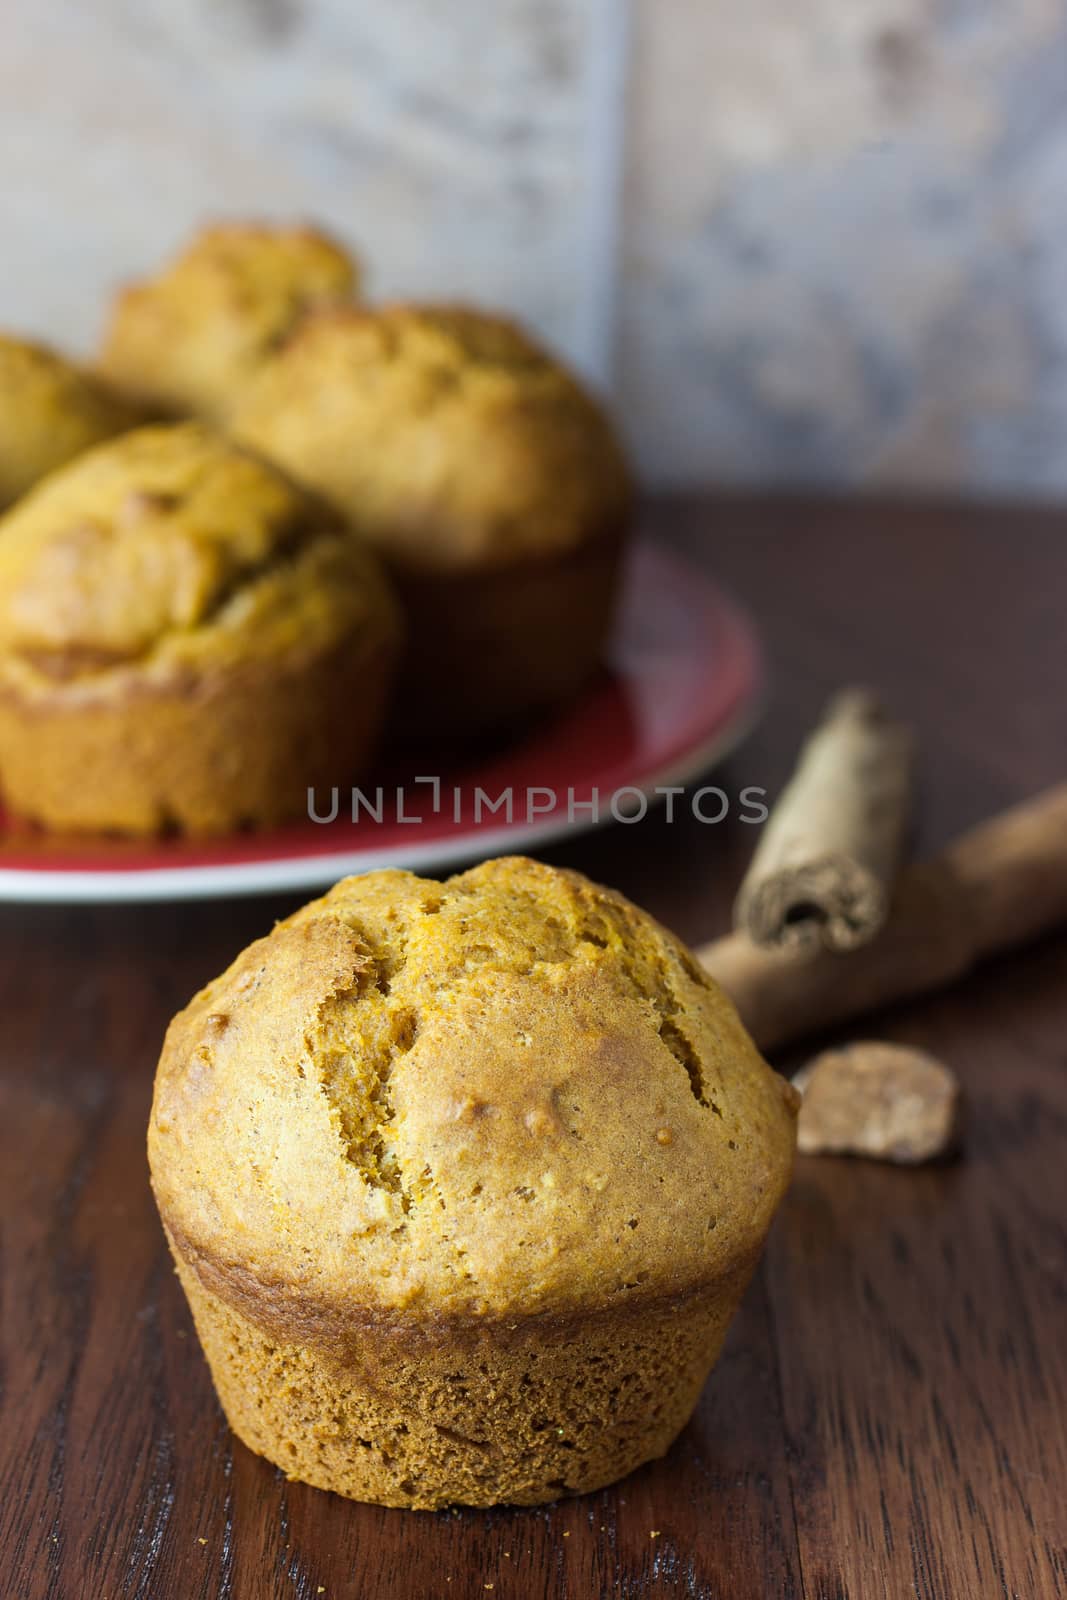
point(800, 240)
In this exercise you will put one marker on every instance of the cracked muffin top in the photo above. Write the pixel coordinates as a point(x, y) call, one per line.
point(171, 551)
point(185, 341)
point(508, 1093)
point(447, 436)
point(50, 411)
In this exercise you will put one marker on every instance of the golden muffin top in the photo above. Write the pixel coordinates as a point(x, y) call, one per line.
point(50, 411)
point(186, 340)
point(446, 436)
point(508, 1093)
point(171, 549)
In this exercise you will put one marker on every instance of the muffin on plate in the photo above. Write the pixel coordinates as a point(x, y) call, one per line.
point(464, 1182)
point(186, 341)
point(492, 483)
point(50, 411)
point(187, 641)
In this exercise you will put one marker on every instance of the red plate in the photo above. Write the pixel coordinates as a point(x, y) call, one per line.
point(680, 691)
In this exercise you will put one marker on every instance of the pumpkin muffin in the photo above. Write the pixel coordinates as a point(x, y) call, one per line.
point(50, 411)
point(187, 641)
point(464, 1182)
point(186, 341)
point(492, 483)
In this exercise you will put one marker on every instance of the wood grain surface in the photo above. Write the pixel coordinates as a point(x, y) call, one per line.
point(888, 1419)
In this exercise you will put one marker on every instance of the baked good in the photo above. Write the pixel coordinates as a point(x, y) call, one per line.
point(187, 640)
point(185, 341)
point(50, 411)
point(464, 1182)
point(490, 480)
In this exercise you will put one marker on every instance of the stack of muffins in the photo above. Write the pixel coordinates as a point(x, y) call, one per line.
point(463, 1181)
point(275, 522)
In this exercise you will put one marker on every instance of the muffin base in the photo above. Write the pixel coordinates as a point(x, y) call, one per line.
point(442, 1413)
point(489, 648)
point(234, 748)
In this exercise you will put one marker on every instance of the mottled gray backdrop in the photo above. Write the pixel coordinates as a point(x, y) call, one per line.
point(801, 240)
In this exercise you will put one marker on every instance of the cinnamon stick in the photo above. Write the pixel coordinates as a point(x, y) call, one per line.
point(1000, 885)
point(827, 857)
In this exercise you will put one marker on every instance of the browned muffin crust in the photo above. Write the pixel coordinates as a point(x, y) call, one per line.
point(186, 341)
point(186, 640)
point(447, 1167)
point(448, 437)
point(478, 1414)
point(50, 411)
point(491, 481)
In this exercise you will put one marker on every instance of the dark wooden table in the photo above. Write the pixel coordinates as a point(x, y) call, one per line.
point(888, 1418)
